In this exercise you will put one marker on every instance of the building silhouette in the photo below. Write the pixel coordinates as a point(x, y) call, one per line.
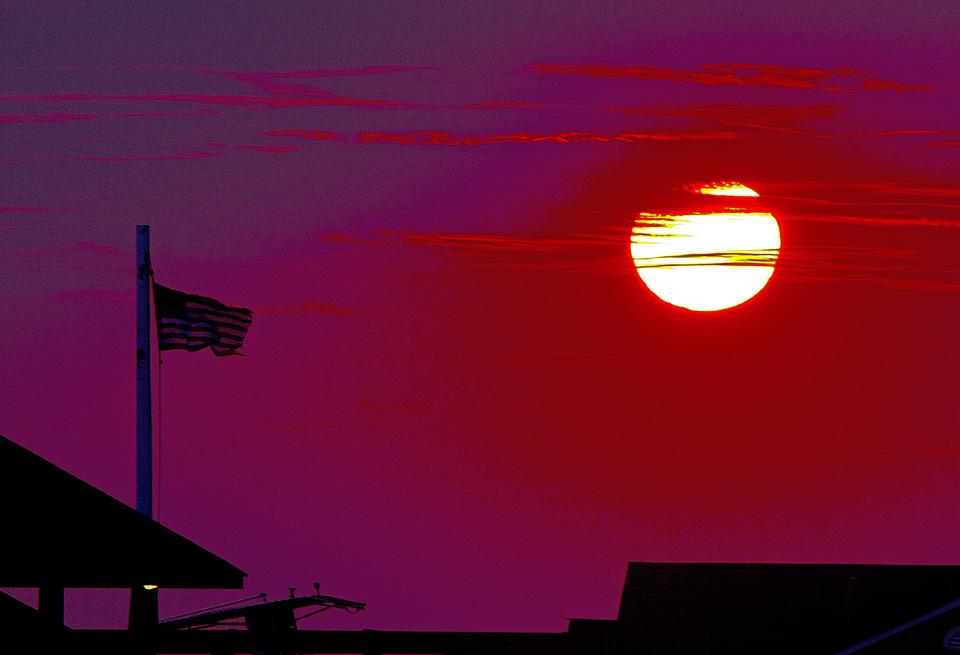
point(60, 532)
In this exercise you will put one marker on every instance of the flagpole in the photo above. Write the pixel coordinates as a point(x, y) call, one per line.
point(144, 413)
point(144, 602)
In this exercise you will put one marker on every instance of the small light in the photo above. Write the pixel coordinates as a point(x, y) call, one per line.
point(149, 587)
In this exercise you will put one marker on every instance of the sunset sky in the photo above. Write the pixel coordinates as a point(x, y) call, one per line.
point(459, 403)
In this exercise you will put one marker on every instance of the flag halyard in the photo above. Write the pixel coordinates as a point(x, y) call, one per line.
point(187, 321)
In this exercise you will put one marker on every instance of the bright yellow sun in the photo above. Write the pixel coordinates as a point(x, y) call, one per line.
point(707, 261)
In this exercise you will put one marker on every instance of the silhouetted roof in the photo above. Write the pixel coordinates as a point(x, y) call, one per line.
point(58, 530)
point(785, 608)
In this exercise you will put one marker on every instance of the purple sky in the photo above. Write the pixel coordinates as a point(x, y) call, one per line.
point(459, 403)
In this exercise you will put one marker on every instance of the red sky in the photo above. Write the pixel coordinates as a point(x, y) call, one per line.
point(459, 403)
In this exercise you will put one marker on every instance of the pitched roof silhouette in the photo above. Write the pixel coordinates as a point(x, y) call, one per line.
point(60, 531)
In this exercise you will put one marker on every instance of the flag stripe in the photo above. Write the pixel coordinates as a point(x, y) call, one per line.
point(238, 325)
point(176, 323)
point(191, 337)
point(188, 345)
point(202, 334)
point(215, 316)
point(215, 333)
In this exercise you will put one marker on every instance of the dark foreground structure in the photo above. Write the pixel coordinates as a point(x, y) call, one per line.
point(665, 609)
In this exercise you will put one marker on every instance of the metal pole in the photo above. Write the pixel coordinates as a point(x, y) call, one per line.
point(143, 600)
point(144, 413)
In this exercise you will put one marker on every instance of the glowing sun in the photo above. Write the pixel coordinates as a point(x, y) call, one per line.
point(706, 261)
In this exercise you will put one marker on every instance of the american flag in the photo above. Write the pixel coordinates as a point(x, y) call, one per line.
point(189, 322)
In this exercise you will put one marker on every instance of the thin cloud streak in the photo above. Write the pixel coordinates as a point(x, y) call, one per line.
point(878, 221)
point(882, 187)
point(269, 82)
point(879, 203)
point(309, 135)
point(193, 154)
point(308, 307)
point(607, 253)
point(273, 149)
point(45, 118)
point(758, 75)
point(321, 99)
point(776, 118)
point(13, 209)
point(449, 139)
point(275, 89)
point(96, 296)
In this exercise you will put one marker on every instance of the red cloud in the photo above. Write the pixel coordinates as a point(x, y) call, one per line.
point(763, 75)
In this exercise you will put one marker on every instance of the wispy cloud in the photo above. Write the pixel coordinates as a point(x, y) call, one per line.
point(275, 90)
point(878, 221)
point(758, 75)
point(90, 246)
point(15, 209)
point(267, 102)
point(874, 203)
point(273, 149)
point(471, 140)
point(899, 132)
point(278, 82)
point(309, 135)
point(779, 118)
point(606, 252)
point(46, 118)
point(880, 188)
point(193, 154)
point(77, 254)
point(902, 268)
point(95, 296)
point(378, 239)
point(599, 251)
point(307, 307)
point(450, 139)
